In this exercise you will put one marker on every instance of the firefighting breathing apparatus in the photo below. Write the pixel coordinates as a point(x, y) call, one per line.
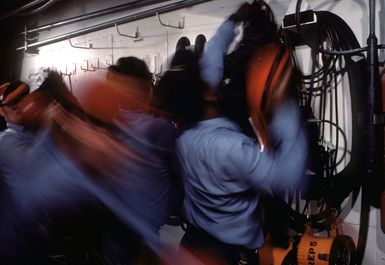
point(325, 250)
point(311, 249)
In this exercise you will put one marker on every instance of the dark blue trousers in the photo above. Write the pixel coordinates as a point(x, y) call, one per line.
point(195, 239)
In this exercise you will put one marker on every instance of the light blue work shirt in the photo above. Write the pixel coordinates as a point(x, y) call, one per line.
point(152, 139)
point(52, 184)
point(14, 143)
point(223, 172)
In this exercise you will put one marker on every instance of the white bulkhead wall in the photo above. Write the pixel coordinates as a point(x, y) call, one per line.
point(155, 43)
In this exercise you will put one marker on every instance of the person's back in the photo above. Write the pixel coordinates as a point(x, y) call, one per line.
point(218, 195)
point(153, 140)
point(150, 136)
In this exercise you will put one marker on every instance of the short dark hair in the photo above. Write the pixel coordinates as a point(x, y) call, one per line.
point(132, 66)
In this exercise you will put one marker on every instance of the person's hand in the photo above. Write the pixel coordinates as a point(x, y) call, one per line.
point(242, 13)
point(246, 10)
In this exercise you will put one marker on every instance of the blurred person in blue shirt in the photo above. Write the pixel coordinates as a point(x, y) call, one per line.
point(142, 128)
point(47, 195)
point(15, 139)
point(70, 193)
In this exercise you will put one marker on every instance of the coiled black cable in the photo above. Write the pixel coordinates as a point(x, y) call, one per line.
point(320, 88)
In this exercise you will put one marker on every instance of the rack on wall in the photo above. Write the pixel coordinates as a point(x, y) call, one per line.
point(133, 17)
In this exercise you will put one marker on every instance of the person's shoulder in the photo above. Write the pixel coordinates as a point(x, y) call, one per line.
point(162, 124)
point(222, 126)
point(8, 133)
point(220, 132)
point(13, 141)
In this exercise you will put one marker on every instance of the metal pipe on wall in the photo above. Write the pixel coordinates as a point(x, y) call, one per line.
point(39, 9)
point(110, 10)
point(375, 133)
point(22, 8)
point(130, 18)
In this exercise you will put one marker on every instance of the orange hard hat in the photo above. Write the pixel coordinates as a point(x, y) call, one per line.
point(12, 92)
